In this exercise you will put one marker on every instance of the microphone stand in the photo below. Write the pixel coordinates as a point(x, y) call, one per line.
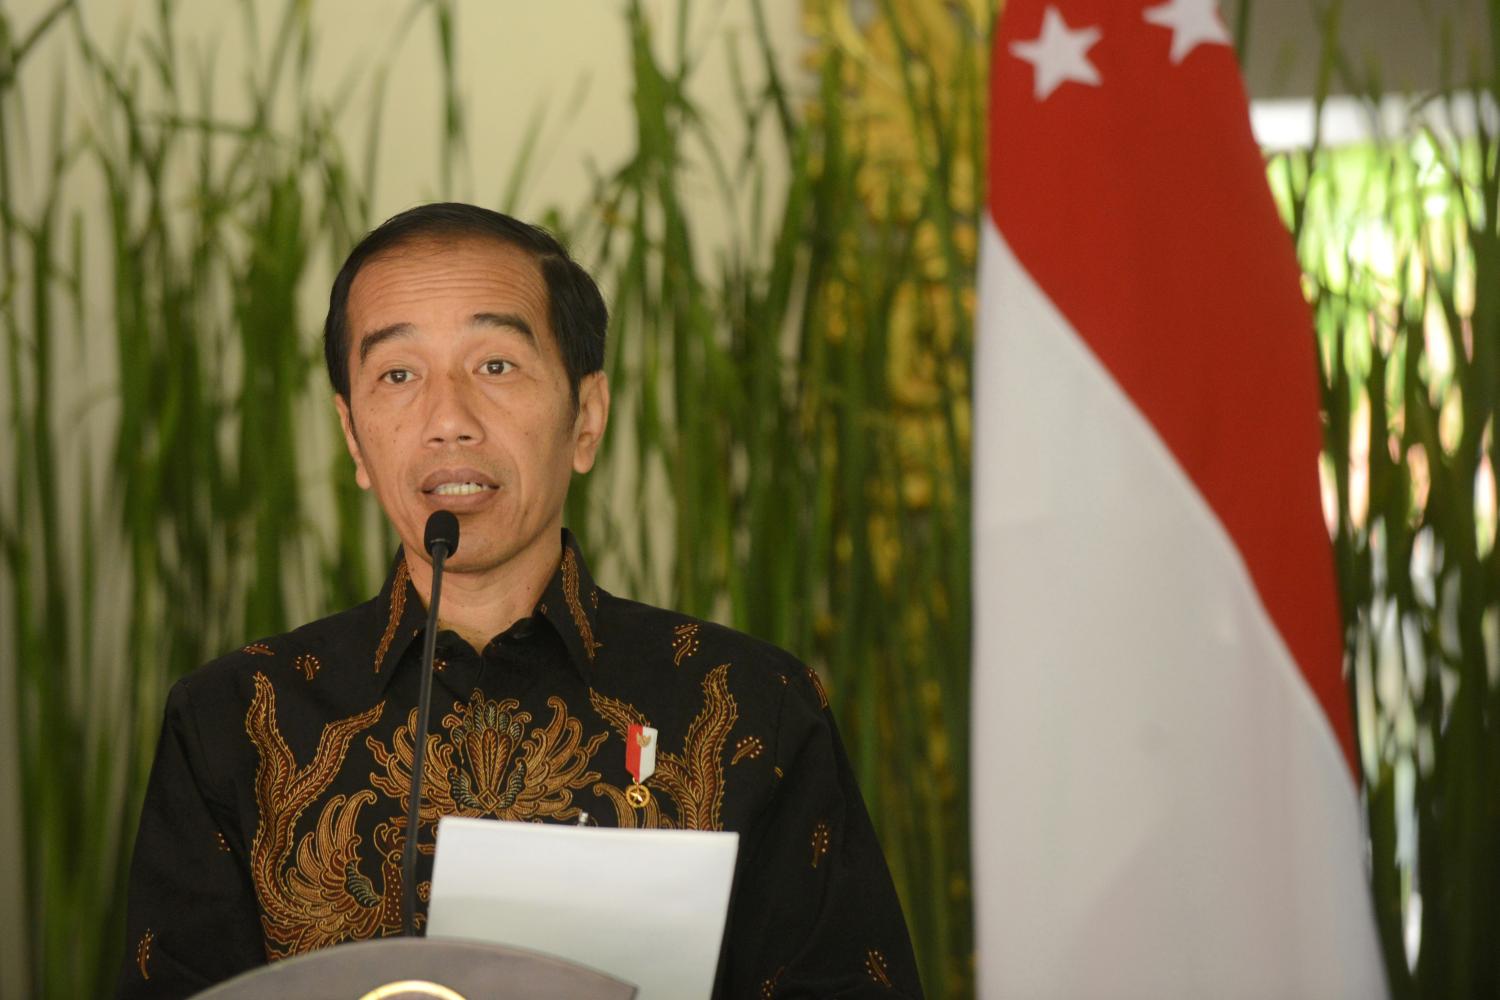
point(441, 539)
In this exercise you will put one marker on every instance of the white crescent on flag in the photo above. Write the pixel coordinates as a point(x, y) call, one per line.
point(1165, 786)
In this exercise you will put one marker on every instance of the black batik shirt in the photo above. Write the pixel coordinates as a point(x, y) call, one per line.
point(275, 813)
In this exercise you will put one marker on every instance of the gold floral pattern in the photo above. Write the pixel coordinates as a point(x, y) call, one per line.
point(820, 837)
point(575, 608)
point(314, 890)
point(319, 899)
point(876, 968)
point(327, 768)
point(628, 816)
point(748, 747)
point(143, 953)
point(258, 649)
point(398, 607)
point(684, 642)
point(817, 684)
point(488, 765)
point(694, 779)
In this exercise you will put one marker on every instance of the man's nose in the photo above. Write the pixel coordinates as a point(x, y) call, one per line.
point(451, 413)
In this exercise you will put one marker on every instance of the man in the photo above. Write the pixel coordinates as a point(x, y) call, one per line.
point(466, 350)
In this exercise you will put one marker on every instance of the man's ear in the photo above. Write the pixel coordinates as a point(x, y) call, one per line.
point(346, 421)
point(592, 418)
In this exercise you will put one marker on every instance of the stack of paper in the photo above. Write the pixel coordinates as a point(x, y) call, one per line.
point(645, 906)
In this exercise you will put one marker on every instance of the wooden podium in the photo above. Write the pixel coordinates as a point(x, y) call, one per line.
point(419, 969)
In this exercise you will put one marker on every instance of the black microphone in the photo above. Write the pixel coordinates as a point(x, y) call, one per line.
point(441, 541)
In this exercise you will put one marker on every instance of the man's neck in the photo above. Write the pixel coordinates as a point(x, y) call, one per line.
point(480, 605)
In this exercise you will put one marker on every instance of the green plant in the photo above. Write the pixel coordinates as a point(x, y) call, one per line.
point(801, 494)
point(753, 377)
point(197, 536)
point(1398, 241)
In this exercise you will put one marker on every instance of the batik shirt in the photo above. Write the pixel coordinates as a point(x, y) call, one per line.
point(275, 813)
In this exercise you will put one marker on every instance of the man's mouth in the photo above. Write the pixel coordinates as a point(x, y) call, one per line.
point(459, 489)
point(454, 483)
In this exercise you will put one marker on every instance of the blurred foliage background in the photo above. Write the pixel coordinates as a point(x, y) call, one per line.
point(791, 439)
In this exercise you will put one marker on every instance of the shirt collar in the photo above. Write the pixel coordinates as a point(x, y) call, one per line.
point(570, 604)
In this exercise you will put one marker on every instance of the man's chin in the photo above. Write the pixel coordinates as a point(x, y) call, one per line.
point(481, 552)
point(489, 538)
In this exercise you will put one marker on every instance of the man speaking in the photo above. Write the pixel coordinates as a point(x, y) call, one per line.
point(466, 351)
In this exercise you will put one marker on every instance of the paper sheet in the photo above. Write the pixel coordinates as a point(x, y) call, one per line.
point(645, 906)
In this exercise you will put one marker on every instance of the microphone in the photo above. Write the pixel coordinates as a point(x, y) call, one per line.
point(441, 540)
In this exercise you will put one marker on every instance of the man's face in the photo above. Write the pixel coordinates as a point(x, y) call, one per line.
point(459, 399)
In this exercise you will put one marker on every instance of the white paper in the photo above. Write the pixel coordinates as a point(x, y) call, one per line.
point(645, 906)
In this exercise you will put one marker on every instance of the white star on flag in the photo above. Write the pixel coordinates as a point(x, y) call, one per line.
point(1193, 23)
point(1058, 54)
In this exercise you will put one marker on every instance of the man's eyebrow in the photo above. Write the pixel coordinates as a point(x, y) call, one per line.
point(509, 320)
point(374, 338)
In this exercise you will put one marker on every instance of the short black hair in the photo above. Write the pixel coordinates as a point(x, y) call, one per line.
point(575, 308)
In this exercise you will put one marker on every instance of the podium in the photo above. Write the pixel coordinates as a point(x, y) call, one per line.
point(422, 969)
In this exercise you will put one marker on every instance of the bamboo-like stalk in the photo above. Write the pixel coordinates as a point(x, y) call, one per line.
point(789, 484)
point(1410, 372)
point(213, 361)
point(772, 422)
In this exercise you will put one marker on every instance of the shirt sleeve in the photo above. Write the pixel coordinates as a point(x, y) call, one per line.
point(191, 916)
point(815, 912)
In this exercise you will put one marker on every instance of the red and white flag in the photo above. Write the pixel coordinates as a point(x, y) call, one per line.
point(640, 752)
point(1165, 790)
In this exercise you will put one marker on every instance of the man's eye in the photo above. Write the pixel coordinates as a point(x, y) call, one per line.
point(396, 376)
point(497, 366)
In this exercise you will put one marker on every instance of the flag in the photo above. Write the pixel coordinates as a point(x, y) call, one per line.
point(1164, 777)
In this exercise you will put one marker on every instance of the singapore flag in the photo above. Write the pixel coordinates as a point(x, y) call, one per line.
point(1165, 785)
